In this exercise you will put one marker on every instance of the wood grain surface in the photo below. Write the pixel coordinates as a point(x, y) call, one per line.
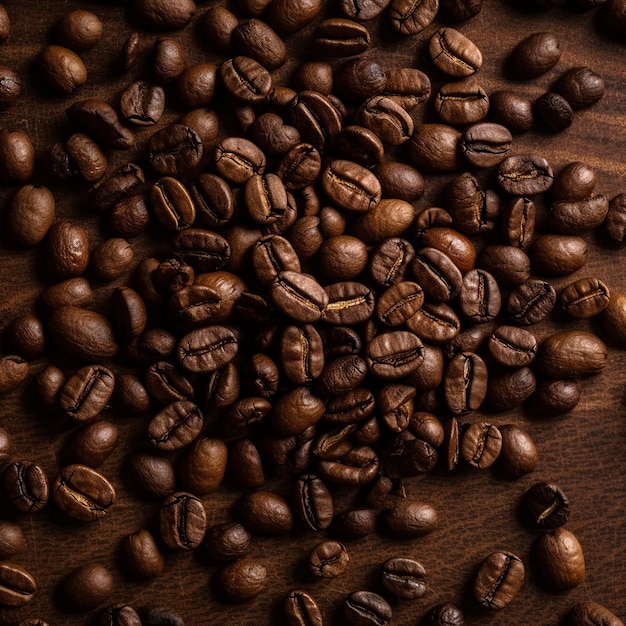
point(583, 452)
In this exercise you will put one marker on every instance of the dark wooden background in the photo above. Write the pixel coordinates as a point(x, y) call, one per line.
point(583, 452)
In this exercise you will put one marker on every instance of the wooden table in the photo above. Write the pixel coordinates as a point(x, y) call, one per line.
point(583, 452)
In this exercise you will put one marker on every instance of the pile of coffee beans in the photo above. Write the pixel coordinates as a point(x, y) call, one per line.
point(300, 333)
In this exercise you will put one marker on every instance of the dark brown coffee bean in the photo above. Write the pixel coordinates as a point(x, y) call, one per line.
point(409, 18)
point(535, 55)
point(555, 397)
point(17, 585)
point(176, 426)
point(546, 506)
point(454, 54)
point(518, 455)
point(525, 174)
point(142, 104)
point(254, 38)
point(10, 85)
point(237, 159)
point(213, 200)
point(409, 519)
point(300, 166)
point(300, 608)
point(387, 119)
point(129, 217)
point(613, 318)
point(404, 578)
point(87, 587)
point(560, 558)
point(389, 218)
point(246, 79)
point(571, 353)
point(62, 69)
point(100, 121)
point(512, 110)
point(433, 148)
point(299, 296)
point(301, 353)
point(172, 204)
point(399, 180)
point(5, 24)
point(169, 60)
point(585, 298)
point(400, 302)
point(575, 182)
point(510, 389)
point(203, 466)
point(288, 18)
point(196, 85)
point(93, 443)
point(394, 354)
point(530, 302)
point(203, 250)
point(66, 249)
point(351, 186)
point(118, 615)
point(165, 15)
point(349, 302)
point(218, 25)
point(265, 512)
point(461, 102)
point(25, 486)
point(340, 37)
point(82, 493)
point(554, 111)
point(499, 579)
point(79, 30)
point(558, 255)
point(329, 559)
point(479, 296)
point(472, 209)
point(580, 86)
point(158, 616)
point(456, 245)
point(130, 51)
point(591, 613)
point(507, 264)
point(166, 384)
point(572, 218)
point(360, 144)
point(518, 222)
point(114, 187)
point(30, 214)
point(12, 539)
point(13, 371)
point(407, 86)
point(228, 541)
point(342, 257)
point(363, 10)
point(390, 261)
point(358, 466)
point(312, 502)
point(79, 157)
point(182, 521)
point(87, 393)
point(241, 581)
point(435, 323)
point(480, 444)
point(154, 475)
point(465, 382)
point(512, 346)
point(486, 144)
point(438, 276)
point(174, 150)
point(17, 154)
point(273, 136)
point(111, 258)
point(445, 614)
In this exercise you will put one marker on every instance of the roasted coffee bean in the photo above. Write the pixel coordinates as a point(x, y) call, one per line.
point(351, 186)
point(342, 257)
point(142, 104)
point(354, 524)
point(312, 502)
point(614, 318)
point(288, 18)
point(555, 397)
point(399, 302)
point(87, 587)
point(296, 410)
point(409, 18)
point(438, 276)
point(341, 375)
point(79, 157)
point(585, 298)
point(399, 180)
point(10, 85)
point(349, 302)
point(445, 614)
point(182, 521)
point(169, 60)
point(329, 559)
point(580, 86)
point(118, 615)
point(510, 389)
point(480, 444)
point(129, 312)
point(340, 37)
point(554, 111)
point(299, 296)
point(213, 200)
point(575, 182)
point(390, 261)
point(512, 346)
point(203, 466)
point(266, 198)
point(507, 264)
point(359, 144)
point(472, 209)
point(79, 30)
point(13, 371)
point(93, 443)
point(130, 51)
point(17, 154)
point(456, 245)
point(175, 150)
point(518, 222)
point(151, 345)
point(535, 55)
point(245, 464)
point(207, 349)
point(363, 10)
point(203, 250)
point(558, 255)
point(593, 614)
point(465, 382)
point(265, 513)
point(66, 249)
point(301, 353)
point(131, 394)
point(430, 373)
point(73, 291)
point(460, 10)
point(30, 214)
point(451, 443)
point(172, 204)
point(114, 187)
point(389, 218)
point(358, 466)
point(153, 475)
point(87, 393)
point(246, 79)
point(218, 25)
point(158, 616)
point(525, 174)
point(387, 119)
point(518, 455)
point(435, 323)
point(228, 541)
point(454, 54)
point(461, 102)
point(394, 354)
point(350, 407)
point(111, 258)
point(241, 581)
point(409, 519)
point(206, 123)
point(301, 608)
point(572, 218)
point(366, 608)
point(82, 493)
point(62, 69)
point(512, 110)
point(546, 506)
point(254, 38)
point(407, 86)
point(404, 578)
point(314, 76)
point(499, 578)
point(175, 426)
point(530, 302)
point(12, 539)
point(49, 383)
point(17, 586)
point(273, 135)
point(433, 148)
point(479, 297)
point(237, 159)
point(165, 15)
point(300, 166)
point(571, 353)
point(100, 121)
point(486, 144)
point(5, 24)
point(25, 486)
point(560, 559)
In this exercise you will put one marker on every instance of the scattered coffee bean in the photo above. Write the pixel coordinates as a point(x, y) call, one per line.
point(87, 587)
point(499, 578)
point(365, 608)
point(241, 581)
point(560, 560)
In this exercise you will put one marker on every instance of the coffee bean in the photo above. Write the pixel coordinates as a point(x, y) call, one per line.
point(93, 443)
point(486, 144)
point(530, 302)
point(329, 559)
point(518, 222)
point(238, 159)
point(580, 86)
point(479, 297)
point(435, 323)
point(10, 85)
point(575, 182)
point(196, 85)
point(560, 558)
point(410, 519)
point(288, 18)
point(86, 393)
point(175, 426)
point(525, 174)
point(165, 15)
point(169, 60)
point(535, 55)
point(79, 157)
point(203, 466)
point(87, 587)
point(465, 382)
point(399, 180)
point(100, 121)
point(49, 383)
point(351, 186)
point(445, 614)
point(433, 148)
point(25, 486)
point(518, 455)
point(141, 555)
point(365, 608)
point(509, 265)
point(340, 37)
point(354, 524)
point(585, 298)
point(512, 110)
point(25, 334)
point(389, 218)
point(399, 302)
point(241, 581)
point(158, 616)
point(265, 513)
point(182, 521)
point(554, 111)
point(312, 502)
point(404, 578)
point(571, 353)
point(456, 245)
point(512, 346)
point(12, 540)
point(207, 349)
point(387, 119)
point(246, 79)
point(591, 613)
point(499, 578)
point(454, 54)
point(572, 218)
point(301, 608)
point(254, 38)
point(172, 204)
point(118, 615)
point(299, 296)
point(461, 102)
point(30, 214)
point(17, 586)
point(409, 18)
point(358, 466)
point(555, 397)
point(228, 541)
point(62, 69)
point(407, 86)
point(174, 150)
point(546, 506)
point(558, 255)
point(481, 444)
point(79, 30)
point(82, 493)
point(66, 249)
point(142, 104)
point(13, 372)
point(363, 10)
point(394, 354)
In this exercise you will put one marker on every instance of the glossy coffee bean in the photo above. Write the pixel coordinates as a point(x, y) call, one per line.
point(530, 302)
point(560, 558)
point(17, 585)
point(365, 608)
point(175, 426)
point(12, 540)
point(558, 255)
point(512, 346)
point(571, 353)
point(465, 382)
point(93, 443)
point(86, 393)
point(546, 506)
point(329, 559)
point(486, 144)
point(87, 587)
point(407, 86)
point(312, 502)
point(454, 54)
point(433, 148)
point(518, 455)
point(480, 444)
point(241, 581)
point(182, 521)
point(479, 297)
point(266, 513)
point(410, 519)
point(301, 608)
point(556, 396)
point(592, 613)
point(445, 614)
point(525, 174)
point(499, 579)
point(585, 298)
point(404, 578)
point(461, 102)
point(13, 371)
point(535, 55)
point(30, 214)
point(142, 557)
point(580, 86)
point(340, 37)
point(228, 541)
point(25, 486)
point(512, 110)
point(62, 69)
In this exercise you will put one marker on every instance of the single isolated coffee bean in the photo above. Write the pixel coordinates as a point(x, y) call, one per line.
point(556, 396)
point(12, 540)
point(410, 519)
point(480, 444)
point(30, 214)
point(241, 581)
point(571, 353)
point(525, 174)
point(182, 521)
point(404, 578)
point(79, 30)
point(329, 559)
point(165, 14)
point(312, 502)
point(546, 506)
point(453, 53)
point(17, 585)
point(141, 555)
point(87, 587)
point(62, 69)
point(366, 608)
point(575, 182)
point(25, 486)
point(87, 393)
point(535, 55)
point(560, 560)
point(93, 443)
point(445, 614)
point(580, 86)
point(585, 297)
point(169, 60)
point(518, 455)
point(301, 608)
point(593, 614)
point(512, 110)
point(499, 578)
point(266, 513)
